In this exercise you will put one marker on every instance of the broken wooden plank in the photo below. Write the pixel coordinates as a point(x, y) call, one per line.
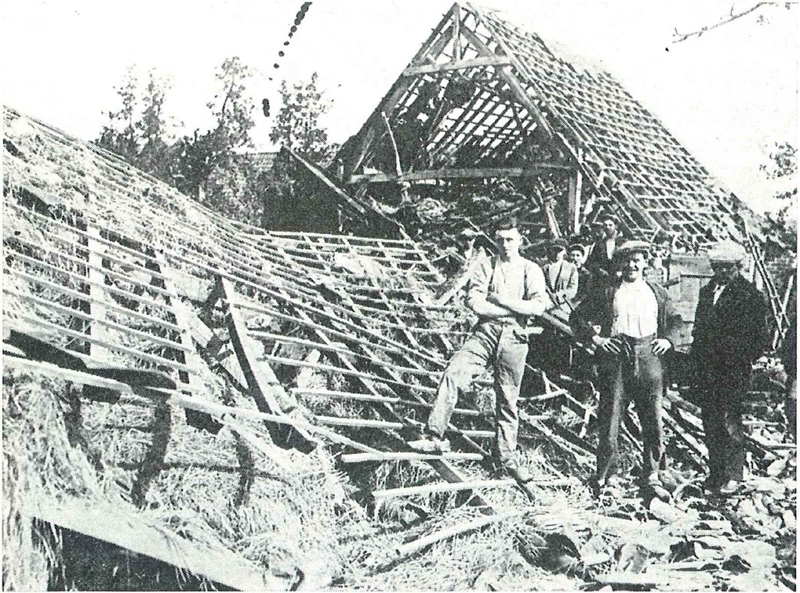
point(262, 383)
point(442, 487)
point(133, 531)
point(448, 532)
point(406, 456)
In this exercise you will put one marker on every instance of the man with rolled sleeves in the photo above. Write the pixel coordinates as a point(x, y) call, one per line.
point(730, 333)
point(632, 323)
point(504, 292)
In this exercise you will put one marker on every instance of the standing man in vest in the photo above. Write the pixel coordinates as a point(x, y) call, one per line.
point(602, 255)
point(504, 292)
point(561, 276)
point(632, 323)
point(730, 333)
point(586, 280)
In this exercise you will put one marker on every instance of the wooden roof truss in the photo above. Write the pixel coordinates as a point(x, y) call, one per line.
point(483, 98)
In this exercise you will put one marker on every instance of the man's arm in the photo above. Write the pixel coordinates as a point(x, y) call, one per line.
point(535, 289)
point(671, 332)
point(477, 295)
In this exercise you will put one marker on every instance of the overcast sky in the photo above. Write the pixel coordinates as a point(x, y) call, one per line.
point(728, 96)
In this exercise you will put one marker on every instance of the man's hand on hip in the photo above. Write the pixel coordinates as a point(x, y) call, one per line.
point(660, 346)
point(606, 345)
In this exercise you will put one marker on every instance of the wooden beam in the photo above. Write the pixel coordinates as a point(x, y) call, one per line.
point(129, 530)
point(511, 80)
point(373, 129)
point(447, 533)
point(268, 393)
point(481, 62)
point(443, 487)
point(327, 182)
point(530, 170)
point(456, 32)
point(98, 331)
point(575, 186)
point(406, 456)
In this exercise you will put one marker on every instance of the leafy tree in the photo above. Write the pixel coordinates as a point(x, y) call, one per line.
point(138, 131)
point(152, 128)
point(201, 156)
point(782, 225)
point(119, 134)
point(297, 126)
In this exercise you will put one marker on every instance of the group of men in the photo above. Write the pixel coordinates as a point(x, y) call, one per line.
point(631, 323)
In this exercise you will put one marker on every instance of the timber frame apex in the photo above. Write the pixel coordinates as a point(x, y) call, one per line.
point(485, 99)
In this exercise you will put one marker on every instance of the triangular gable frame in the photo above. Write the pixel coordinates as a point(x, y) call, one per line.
point(653, 186)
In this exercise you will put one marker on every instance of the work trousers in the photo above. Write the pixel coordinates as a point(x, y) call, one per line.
point(636, 375)
point(503, 345)
point(721, 402)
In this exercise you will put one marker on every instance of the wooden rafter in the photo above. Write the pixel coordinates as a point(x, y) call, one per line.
point(268, 393)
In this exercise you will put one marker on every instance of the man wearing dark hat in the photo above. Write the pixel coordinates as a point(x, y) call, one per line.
point(602, 255)
point(504, 292)
point(632, 323)
point(730, 333)
point(561, 276)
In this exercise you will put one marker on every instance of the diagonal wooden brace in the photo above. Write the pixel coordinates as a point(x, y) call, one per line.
point(268, 393)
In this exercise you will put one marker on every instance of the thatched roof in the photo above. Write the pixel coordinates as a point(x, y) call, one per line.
point(484, 98)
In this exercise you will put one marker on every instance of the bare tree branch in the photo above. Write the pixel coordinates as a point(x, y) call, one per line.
point(678, 37)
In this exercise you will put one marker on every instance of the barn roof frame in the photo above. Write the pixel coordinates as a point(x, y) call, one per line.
point(483, 98)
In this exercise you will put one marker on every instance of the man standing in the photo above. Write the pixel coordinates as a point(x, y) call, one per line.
point(730, 333)
point(504, 292)
point(602, 255)
point(561, 276)
point(586, 282)
point(632, 323)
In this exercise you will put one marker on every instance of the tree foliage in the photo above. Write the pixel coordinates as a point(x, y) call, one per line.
point(119, 134)
point(297, 124)
point(202, 155)
point(782, 225)
point(138, 131)
point(215, 166)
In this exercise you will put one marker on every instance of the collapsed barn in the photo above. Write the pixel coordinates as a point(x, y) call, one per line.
point(191, 402)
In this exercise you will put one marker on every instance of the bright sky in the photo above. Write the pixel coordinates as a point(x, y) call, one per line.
point(728, 96)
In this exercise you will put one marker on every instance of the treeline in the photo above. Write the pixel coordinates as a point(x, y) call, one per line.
point(217, 166)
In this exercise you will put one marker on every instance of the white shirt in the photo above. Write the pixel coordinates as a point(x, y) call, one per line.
point(517, 279)
point(635, 310)
point(611, 246)
point(718, 290)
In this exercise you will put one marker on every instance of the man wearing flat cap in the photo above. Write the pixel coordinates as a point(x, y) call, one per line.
point(730, 333)
point(632, 322)
point(561, 276)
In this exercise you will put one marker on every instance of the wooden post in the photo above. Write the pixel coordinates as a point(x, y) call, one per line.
point(575, 186)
